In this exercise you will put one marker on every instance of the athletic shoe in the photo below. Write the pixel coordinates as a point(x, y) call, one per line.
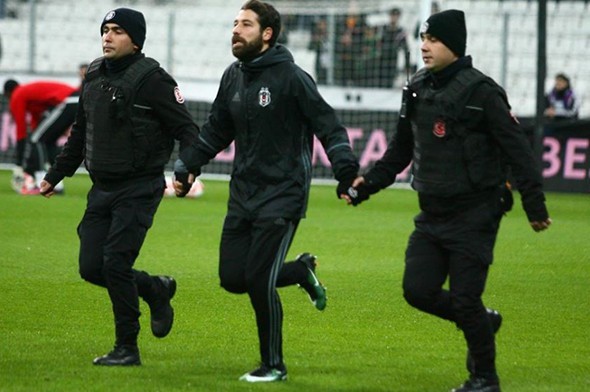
point(162, 313)
point(18, 179)
point(266, 374)
point(496, 320)
point(29, 186)
point(313, 287)
point(27, 191)
point(120, 356)
point(479, 384)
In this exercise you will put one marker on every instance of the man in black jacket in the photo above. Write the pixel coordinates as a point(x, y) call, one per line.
point(456, 127)
point(271, 109)
point(129, 114)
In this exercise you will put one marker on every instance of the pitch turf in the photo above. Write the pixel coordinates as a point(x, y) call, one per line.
point(52, 324)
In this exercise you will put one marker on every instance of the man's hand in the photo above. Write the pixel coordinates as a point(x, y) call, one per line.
point(354, 192)
point(183, 180)
point(541, 225)
point(46, 189)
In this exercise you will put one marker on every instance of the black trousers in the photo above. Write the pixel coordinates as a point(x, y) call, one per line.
point(251, 260)
point(459, 248)
point(111, 234)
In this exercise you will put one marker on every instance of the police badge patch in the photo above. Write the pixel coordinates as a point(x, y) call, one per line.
point(178, 95)
point(439, 129)
point(264, 97)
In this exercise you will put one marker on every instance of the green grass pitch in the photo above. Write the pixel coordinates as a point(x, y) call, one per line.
point(52, 324)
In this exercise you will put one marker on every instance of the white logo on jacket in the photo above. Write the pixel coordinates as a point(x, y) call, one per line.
point(264, 97)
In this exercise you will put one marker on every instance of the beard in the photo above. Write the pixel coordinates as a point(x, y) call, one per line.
point(249, 50)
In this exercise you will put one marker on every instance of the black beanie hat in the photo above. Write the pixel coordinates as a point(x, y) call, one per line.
point(449, 27)
point(130, 20)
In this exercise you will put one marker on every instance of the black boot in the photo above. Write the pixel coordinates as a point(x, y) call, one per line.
point(496, 321)
point(162, 313)
point(479, 384)
point(120, 356)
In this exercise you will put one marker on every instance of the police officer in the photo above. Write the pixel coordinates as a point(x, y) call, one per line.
point(458, 131)
point(129, 114)
point(271, 109)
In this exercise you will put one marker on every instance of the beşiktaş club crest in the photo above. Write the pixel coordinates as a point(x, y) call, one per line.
point(264, 97)
point(440, 128)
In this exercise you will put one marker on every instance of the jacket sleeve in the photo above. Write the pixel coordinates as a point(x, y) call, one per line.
point(163, 95)
point(395, 159)
point(508, 134)
point(326, 126)
point(72, 155)
point(216, 134)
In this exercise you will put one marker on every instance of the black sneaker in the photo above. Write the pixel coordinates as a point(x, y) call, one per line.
point(266, 374)
point(496, 320)
point(479, 384)
point(120, 356)
point(162, 313)
point(313, 287)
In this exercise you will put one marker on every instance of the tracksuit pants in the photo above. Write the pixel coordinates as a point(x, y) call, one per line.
point(252, 254)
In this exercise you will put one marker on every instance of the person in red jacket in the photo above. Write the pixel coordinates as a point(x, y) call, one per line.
point(28, 104)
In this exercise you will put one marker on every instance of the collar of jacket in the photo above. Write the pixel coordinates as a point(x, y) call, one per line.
point(119, 65)
point(273, 55)
point(441, 78)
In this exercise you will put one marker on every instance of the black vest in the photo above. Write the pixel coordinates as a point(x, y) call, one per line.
point(122, 138)
point(453, 152)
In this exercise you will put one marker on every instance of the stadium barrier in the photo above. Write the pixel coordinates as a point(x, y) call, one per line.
point(565, 159)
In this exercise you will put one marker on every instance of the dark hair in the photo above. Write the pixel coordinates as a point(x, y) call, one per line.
point(9, 86)
point(563, 77)
point(268, 16)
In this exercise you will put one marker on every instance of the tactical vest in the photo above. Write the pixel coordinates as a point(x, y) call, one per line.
point(121, 137)
point(453, 151)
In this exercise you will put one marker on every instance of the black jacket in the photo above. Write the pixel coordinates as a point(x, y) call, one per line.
point(160, 95)
point(503, 130)
point(271, 109)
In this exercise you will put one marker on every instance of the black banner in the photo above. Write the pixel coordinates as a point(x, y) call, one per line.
point(566, 156)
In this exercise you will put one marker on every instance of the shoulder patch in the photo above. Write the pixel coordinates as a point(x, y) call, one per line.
point(178, 95)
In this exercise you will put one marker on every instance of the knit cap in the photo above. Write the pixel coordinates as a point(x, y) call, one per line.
point(129, 20)
point(449, 27)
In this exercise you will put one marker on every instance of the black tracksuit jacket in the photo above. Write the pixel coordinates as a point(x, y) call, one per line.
point(271, 108)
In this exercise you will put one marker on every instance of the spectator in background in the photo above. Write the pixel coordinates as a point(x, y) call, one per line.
point(34, 100)
point(561, 102)
point(348, 49)
point(367, 64)
point(82, 68)
point(320, 44)
point(393, 40)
